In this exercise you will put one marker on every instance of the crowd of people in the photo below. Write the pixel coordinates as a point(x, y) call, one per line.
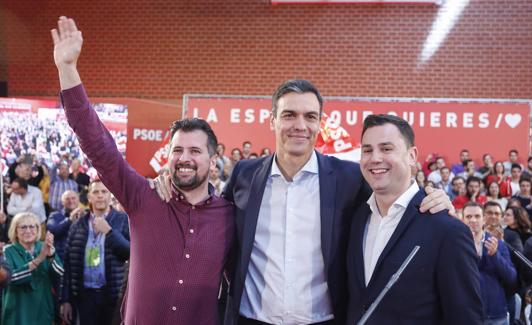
point(65, 257)
point(48, 140)
point(42, 202)
point(495, 201)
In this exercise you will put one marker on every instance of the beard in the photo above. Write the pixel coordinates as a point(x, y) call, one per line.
point(188, 183)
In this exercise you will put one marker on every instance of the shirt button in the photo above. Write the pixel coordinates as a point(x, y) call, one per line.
point(191, 231)
point(174, 308)
point(187, 256)
point(193, 207)
point(180, 281)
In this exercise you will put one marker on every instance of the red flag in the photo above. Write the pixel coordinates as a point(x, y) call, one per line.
point(334, 140)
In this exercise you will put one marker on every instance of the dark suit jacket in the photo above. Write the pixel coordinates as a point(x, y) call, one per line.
point(441, 283)
point(341, 189)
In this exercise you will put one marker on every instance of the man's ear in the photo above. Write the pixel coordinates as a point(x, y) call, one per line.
point(413, 153)
point(272, 121)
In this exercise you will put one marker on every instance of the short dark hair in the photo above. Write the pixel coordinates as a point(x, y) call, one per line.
point(445, 167)
point(466, 162)
point(381, 119)
point(516, 166)
point(246, 142)
point(193, 124)
point(299, 86)
point(492, 204)
point(457, 178)
point(471, 179)
point(473, 204)
point(21, 182)
point(513, 151)
point(525, 178)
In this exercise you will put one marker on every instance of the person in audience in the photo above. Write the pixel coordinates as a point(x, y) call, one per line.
point(458, 187)
point(435, 176)
point(497, 271)
point(501, 179)
point(473, 193)
point(265, 152)
point(487, 169)
point(470, 170)
point(515, 176)
point(459, 167)
point(236, 155)
point(246, 149)
point(216, 182)
point(96, 250)
point(524, 195)
point(420, 178)
point(494, 194)
point(513, 159)
point(81, 178)
point(517, 221)
point(59, 184)
point(222, 159)
point(28, 297)
point(59, 222)
point(26, 198)
point(528, 170)
point(445, 182)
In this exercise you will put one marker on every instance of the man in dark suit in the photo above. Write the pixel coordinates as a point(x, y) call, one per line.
point(293, 212)
point(441, 283)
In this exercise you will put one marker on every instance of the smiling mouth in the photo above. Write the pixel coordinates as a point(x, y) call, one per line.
point(378, 171)
point(185, 170)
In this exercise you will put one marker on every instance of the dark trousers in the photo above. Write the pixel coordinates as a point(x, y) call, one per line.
point(248, 321)
point(94, 307)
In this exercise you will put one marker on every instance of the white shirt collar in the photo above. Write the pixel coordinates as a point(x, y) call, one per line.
point(310, 167)
point(402, 201)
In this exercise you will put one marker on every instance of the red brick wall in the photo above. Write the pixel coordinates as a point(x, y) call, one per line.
point(163, 49)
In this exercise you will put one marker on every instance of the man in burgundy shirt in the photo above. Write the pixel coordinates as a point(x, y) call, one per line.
point(178, 249)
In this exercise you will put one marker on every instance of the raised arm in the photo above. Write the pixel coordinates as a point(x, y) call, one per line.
point(94, 139)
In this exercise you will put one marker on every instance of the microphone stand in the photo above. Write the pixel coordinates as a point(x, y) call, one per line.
point(391, 282)
point(520, 256)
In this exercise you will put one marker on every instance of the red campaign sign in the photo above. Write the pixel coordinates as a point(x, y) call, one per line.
point(444, 127)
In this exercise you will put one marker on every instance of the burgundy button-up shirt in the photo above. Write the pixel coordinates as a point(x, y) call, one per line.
point(178, 250)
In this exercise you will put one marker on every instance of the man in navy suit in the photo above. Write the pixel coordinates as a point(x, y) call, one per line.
point(441, 284)
point(293, 213)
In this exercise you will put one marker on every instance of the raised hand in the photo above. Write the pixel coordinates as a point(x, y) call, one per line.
point(67, 42)
point(491, 245)
point(67, 47)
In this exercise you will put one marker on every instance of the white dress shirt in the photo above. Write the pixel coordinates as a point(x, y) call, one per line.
point(31, 202)
point(285, 282)
point(379, 229)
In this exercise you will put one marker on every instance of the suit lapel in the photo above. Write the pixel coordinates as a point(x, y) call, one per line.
point(411, 210)
point(360, 221)
point(257, 186)
point(327, 179)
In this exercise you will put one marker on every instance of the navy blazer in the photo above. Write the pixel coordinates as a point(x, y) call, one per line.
point(342, 188)
point(439, 286)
